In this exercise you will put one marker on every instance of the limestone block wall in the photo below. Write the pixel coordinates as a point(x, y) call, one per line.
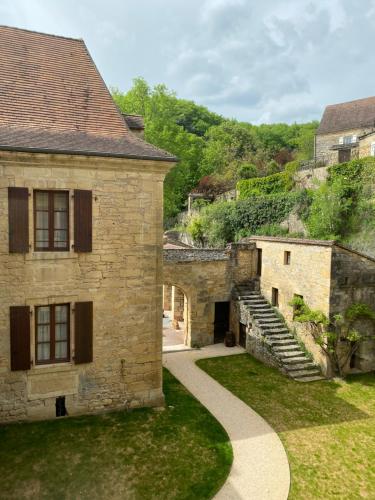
point(365, 146)
point(311, 177)
point(308, 275)
point(122, 276)
point(353, 281)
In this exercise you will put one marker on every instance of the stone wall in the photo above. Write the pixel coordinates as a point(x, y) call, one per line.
point(310, 178)
point(307, 275)
point(353, 281)
point(365, 145)
point(205, 277)
point(122, 276)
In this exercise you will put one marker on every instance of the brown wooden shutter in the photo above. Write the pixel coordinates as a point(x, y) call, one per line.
point(83, 332)
point(20, 338)
point(82, 220)
point(18, 217)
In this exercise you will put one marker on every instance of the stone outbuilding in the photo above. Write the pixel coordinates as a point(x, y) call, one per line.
point(327, 275)
point(81, 250)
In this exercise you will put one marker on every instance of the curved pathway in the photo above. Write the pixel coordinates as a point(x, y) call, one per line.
point(260, 467)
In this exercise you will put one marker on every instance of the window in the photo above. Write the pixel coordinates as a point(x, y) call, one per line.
point(275, 297)
point(259, 261)
point(52, 333)
point(372, 149)
point(51, 220)
point(287, 258)
point(349, 139)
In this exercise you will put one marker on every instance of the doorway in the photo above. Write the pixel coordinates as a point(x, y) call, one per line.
point(242, 336)
point(275, 297)
point(344, 155)
point(221, 322)
point(259, 262)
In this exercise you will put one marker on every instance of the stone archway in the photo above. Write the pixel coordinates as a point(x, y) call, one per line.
point(176, 314)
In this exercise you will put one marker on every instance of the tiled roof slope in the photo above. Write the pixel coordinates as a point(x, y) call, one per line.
point(52, 98)
point(348, 115)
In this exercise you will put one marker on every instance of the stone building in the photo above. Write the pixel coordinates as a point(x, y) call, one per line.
point(81, 247)
point(346, 132)
point(329, 276)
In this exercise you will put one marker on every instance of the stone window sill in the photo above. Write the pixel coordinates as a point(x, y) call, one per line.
point(51, 255)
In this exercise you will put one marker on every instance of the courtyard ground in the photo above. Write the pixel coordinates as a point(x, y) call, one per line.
point(327, 427)
point(181, 452)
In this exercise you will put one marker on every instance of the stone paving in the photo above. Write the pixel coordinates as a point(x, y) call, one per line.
point(260, 468)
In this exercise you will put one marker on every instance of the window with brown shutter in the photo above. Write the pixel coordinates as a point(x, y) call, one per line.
point(20, 338)
point(83, 332)
point(51, 220)
point(18, 218)
point(52, 333)
point(82, 220)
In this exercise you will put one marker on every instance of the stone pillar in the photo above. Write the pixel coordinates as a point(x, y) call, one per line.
point(177, 307)
point(167, 297)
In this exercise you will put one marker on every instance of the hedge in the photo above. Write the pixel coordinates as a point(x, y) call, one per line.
point(272, 184)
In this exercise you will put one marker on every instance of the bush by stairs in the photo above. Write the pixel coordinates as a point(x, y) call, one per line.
point(283, 346)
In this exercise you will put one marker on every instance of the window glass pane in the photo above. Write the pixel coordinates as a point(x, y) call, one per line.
point(41, 236)
point(43, 314)
point(43, 333)
point(61, 314)
point(60, 239)
point(41, 201)
point(42, 220)
point(61, 220)
point(43, 352)
point(61, 350)
point(61, 332)
point(60, 201)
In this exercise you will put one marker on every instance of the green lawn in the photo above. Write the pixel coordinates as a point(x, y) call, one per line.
point(327, 428)
point(179, 453)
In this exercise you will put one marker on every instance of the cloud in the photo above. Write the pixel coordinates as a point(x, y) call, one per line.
point(276, 60)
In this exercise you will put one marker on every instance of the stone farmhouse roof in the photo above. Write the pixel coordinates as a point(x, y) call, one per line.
point(348, 115)
point(53, 99)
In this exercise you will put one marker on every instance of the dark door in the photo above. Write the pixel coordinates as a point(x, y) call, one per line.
point(275, 297)
point(344, 155)
point(259, 262)
point(221, 323)
point(242, 338)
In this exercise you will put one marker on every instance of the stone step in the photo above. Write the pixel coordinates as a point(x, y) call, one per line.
point(258, 305)
point(282, 342)
point(289, 354)
point(300, 366)
point(304, 373)
point(264, 314)
point(313, 378)
point(279, 336)
point(273, 331)
point(281, 349)
point(300, 360)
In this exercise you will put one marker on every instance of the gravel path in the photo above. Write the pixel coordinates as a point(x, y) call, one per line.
point(260, 468)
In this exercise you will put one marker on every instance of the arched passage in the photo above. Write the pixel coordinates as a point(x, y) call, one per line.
point(175, 316)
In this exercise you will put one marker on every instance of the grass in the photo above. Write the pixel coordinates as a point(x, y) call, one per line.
point(327, 427)
point(179, 453)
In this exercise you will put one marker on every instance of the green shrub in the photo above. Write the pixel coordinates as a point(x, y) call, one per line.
point(272, 184)
point(247, 171)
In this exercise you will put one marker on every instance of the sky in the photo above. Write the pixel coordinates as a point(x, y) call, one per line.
point(261, 61)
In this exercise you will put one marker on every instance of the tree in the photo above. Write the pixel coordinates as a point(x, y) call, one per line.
point(337, 337)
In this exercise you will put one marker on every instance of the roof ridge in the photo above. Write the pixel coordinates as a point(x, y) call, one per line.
point(350, 102)
point(42, 33)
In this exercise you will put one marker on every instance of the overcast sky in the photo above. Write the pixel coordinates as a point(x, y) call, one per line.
point(254, 60)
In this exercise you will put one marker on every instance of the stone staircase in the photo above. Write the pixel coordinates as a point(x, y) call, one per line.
point(283, 346)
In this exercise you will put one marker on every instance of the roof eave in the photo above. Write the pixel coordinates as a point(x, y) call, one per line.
point(171, 159)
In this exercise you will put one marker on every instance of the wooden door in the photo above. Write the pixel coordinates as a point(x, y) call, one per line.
point(221, 323)
point(259, 262)
point(344, 155)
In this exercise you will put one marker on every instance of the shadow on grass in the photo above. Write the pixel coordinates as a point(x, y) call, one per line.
point(284, 403)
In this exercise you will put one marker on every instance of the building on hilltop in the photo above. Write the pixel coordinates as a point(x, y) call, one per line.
point(81, 249)
point(346, 132)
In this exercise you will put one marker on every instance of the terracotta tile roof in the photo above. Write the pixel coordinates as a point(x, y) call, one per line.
point(52, 98)
point(348, 115)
